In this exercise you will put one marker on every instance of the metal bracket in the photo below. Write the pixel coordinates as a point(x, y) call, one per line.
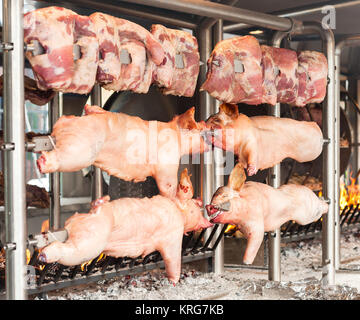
point(41, 143)
point(326, 140)
point(179, 61)
point(43, 239)
point(238, 66)
point(6, 46)
point(9, 246)
point(8, 146)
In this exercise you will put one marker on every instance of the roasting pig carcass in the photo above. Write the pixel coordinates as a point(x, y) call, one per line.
point(234, 71)
point(128, 54)
point(177, 78)
point(130, 227)
point(263, 141)
point(256, 208)
point(124, 146)
point(66, 55)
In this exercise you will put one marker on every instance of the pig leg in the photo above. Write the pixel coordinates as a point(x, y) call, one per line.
point(251, 155)
point(254, 240)
point(167, 180)
point(171, 253)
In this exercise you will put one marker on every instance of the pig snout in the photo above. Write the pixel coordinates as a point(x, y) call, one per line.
point(212, 212)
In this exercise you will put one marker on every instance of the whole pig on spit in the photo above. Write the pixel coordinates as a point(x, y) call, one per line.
point(256, 208)
point(124, 146)
point(263, 141)
point(131, 227)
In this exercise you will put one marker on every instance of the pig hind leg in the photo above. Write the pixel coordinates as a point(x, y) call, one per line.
point(254, 240)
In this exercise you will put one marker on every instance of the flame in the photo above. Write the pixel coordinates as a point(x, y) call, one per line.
point(349, 195)
point(85, 264)
point(28, 256)
point(229, 228)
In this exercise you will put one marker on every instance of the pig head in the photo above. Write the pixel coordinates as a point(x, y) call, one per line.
point(124, 146)
point(256, 208)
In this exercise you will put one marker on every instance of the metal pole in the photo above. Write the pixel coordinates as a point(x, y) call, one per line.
point(274, 181)
point(96, 99)
point(221, 11)
point(207, 108)
point(350, 41)
point(55, 107)
point(14, 159)
point(218, 261)
point(296, 12)
point(330, 174)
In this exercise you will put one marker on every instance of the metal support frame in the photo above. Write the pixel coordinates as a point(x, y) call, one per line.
point(97, 181)
point(351, 41)
point(330, 174)
point(14, 159)
point(55, 111)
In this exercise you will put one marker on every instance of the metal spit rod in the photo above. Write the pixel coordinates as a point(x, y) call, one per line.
point(54, 113)
point(350, 41)
point(96, 99)
point(14, 158)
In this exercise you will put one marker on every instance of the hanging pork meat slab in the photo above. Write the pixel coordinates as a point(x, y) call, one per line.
point(178, 73)
point(66, 57)
point(235, 73)
point(128, 54)
point(312, 74)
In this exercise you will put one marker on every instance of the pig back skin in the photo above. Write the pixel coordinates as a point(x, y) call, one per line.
point(119, 144)
point(280, 138)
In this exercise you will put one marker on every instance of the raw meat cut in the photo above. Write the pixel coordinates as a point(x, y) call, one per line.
point(117, 37)
point(270, 72)
point(124, 146)
point(312, 74)
point(61, 32)
point(129, 227)
point(263, 141)
point(222, 80)
point(285, 64)
point(256, 208)
point(182, 45)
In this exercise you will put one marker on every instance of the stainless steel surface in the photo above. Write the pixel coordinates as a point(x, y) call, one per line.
point(221, 11)
point(295, 13)
point(207, 108)
point(351, 41)
point(330, 174)
point(55, 107)
point(41, 143)
point(43, 239)
point(97, 181)
point(14, 160)
point(122, 10)
point(218, 261)
point(274, 181)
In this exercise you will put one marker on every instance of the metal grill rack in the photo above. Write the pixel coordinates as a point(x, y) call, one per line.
point(206, 20)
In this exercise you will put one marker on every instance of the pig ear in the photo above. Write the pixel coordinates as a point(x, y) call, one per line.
point(237, 177)
point(185, 189)
point(230, 110)
point(187, 120)
point(93, 109)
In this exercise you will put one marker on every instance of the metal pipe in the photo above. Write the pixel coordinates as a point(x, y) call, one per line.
point(14, 158)
point(97, 181)
point(330, 174)
point(274, 181)
point(118, 9)
point(300, 11)
point(221, 11)
point(218, 261)
point(54, 178)
point(350, 41)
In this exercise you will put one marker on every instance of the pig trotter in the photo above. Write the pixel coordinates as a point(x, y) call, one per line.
point(251, 170)
point(41, 163)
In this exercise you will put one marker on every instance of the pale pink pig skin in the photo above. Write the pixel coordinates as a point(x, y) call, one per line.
point(129, 227)
point(124, 146)
point(263, 141)
point(259, 208)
